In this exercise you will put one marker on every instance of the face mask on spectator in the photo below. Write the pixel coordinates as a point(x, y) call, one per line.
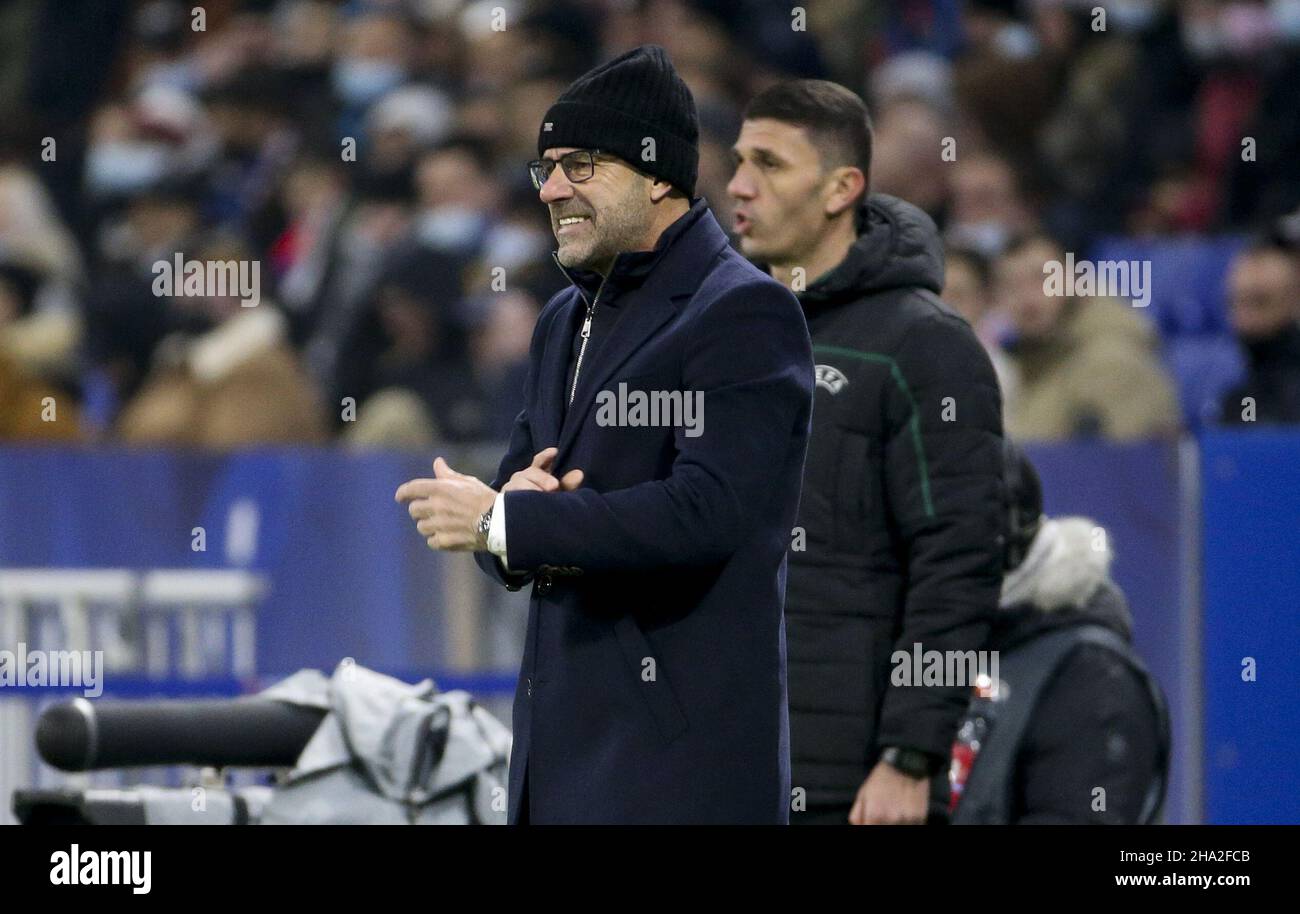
point(1202, 39)
point(359, 80)
point(1286, 19)
point(1015, 42)
point(1130, 16)
point(988, 236)
point(450, 227)
point(1238, 30)
point(123, 167)
point(1247, 29)
point(511, 246)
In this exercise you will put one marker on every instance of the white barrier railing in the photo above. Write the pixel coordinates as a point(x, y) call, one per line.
point(157, 624)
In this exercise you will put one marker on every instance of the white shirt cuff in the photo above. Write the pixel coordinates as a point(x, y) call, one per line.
point(496, 538)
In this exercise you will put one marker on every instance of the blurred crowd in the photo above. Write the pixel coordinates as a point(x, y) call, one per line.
point(369, 156)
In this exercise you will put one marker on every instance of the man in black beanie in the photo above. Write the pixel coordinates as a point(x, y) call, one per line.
point(652, 687)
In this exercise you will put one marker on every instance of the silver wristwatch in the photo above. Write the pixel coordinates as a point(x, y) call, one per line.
point(484, 525)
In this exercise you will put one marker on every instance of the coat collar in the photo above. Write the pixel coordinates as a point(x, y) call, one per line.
point(651, 285)
point(631, 268)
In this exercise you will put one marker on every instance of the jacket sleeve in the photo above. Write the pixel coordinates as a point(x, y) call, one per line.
point(750, 355)
point(944, 493)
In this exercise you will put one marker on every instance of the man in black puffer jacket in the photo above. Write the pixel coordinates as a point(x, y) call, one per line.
point(898, 542)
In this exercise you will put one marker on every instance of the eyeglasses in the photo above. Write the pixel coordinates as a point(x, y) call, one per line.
point(578, 166)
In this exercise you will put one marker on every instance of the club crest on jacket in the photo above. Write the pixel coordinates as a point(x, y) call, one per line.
point(831, 378)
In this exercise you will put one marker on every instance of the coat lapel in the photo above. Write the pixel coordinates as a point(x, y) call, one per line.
point(645, 316)
point(675, 277)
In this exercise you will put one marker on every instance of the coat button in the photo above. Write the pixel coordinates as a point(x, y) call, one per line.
point(544, 584)
point(529, 682)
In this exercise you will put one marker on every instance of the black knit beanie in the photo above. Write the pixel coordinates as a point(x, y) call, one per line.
point(635, 107)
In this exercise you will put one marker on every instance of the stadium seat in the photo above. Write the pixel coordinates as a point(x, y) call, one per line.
point(1205, 369)
point(1187, 279)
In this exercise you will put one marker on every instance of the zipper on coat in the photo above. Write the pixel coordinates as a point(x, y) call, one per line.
point(586, 335)
point(586, 324)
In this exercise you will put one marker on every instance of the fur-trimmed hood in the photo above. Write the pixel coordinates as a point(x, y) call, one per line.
point(1064, 579)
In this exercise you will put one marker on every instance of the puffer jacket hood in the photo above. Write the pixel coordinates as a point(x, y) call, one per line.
point(898, 246)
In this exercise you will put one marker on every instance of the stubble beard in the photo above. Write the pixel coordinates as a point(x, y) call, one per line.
point(618, 228)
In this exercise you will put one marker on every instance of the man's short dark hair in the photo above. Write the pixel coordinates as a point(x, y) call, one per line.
point(836, 119)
